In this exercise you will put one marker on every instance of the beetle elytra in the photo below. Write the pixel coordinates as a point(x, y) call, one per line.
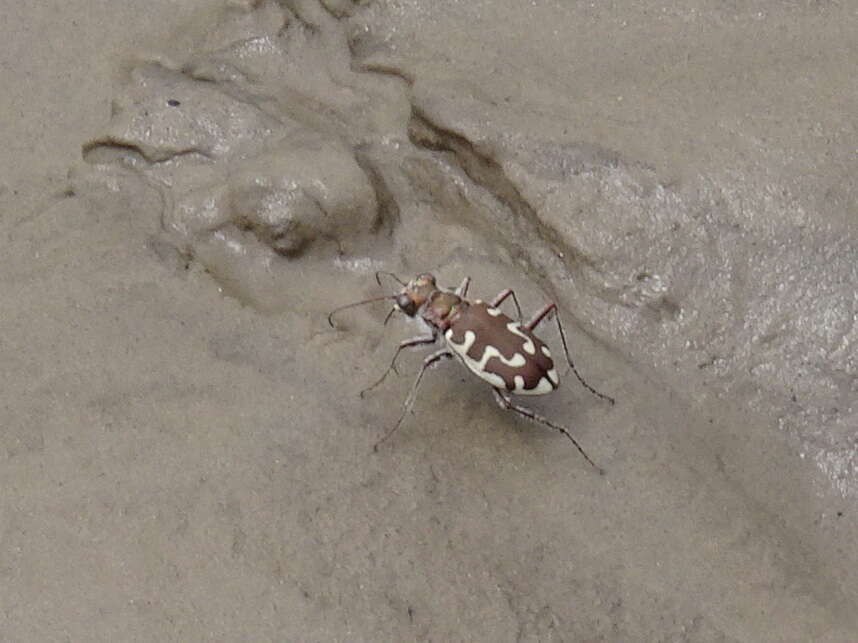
point(501, 351)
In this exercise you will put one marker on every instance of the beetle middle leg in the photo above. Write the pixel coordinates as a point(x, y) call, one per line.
point(535, 321)
point(505, 402)
point(409, 401)
point(408, 343)
point(502, 296)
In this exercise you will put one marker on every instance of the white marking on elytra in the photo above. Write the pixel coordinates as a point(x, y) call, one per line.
point(476, 367)
point(515, 327)
point(494, 312)
point(546, 352)
point(542, 387)
point(515, 361)
point(545, 385)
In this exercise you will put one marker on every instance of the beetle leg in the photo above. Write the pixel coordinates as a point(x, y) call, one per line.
point(378, 274)
point(409, 401)
point(501, 297)
point(505, 402)
point(414, 341)
point(533, 323)
point(462, 290)
point(540, 315)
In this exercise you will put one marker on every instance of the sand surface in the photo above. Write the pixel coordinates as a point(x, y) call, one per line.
point(187, 189)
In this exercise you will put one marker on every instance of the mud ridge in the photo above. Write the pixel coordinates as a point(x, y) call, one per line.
point(523, 223)
point(94, 150)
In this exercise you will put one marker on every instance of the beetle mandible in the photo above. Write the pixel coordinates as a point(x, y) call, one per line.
point(496, 348)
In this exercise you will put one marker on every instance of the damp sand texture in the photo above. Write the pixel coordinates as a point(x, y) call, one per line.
point(187, 189)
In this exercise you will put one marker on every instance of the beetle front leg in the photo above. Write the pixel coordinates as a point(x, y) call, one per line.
point(506, 403)
point(533, 323)
point(408, 343)
point(409, 401)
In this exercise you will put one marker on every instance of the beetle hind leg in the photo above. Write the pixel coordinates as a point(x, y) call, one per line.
point(505, 402)
point(537, 319)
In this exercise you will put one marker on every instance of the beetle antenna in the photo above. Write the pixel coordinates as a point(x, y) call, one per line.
point(389, 315)
point(357, 303)
point(388, 274)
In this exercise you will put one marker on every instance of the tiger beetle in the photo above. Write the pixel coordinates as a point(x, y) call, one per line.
point(503, 352)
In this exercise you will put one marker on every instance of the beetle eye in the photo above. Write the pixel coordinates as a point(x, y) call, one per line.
point(406, 304)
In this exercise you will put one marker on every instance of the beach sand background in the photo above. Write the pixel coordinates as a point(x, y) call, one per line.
point(188, 188)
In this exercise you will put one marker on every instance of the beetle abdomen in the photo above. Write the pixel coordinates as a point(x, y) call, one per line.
point(498, 350)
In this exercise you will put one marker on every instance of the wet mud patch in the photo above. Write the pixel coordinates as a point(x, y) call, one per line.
point(263, 166)
point(293, 142)
point(298, 149)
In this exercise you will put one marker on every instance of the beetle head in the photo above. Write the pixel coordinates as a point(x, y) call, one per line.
point(415, 294)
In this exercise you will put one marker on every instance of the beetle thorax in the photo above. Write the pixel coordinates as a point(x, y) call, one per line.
point(438, 308)
point(442, 309)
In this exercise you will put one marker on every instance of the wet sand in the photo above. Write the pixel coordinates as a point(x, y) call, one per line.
point(185, 196)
